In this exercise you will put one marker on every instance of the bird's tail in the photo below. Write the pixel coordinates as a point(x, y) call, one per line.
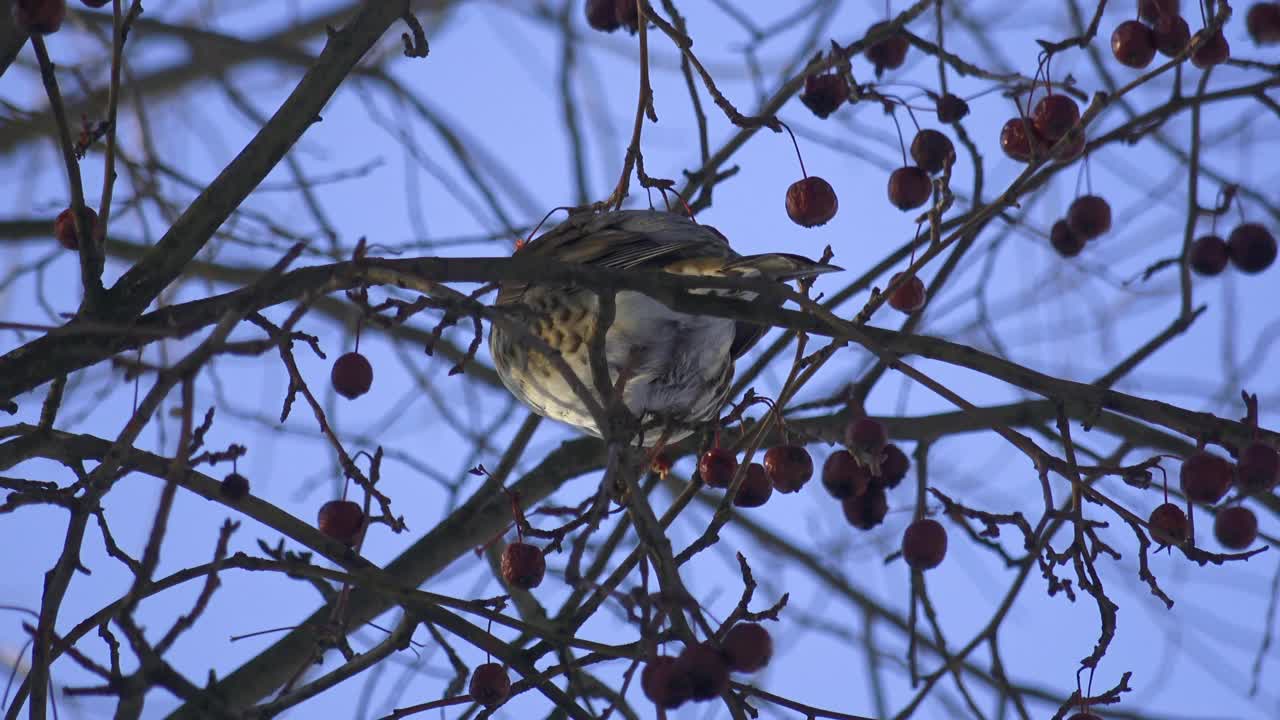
point(779, 266)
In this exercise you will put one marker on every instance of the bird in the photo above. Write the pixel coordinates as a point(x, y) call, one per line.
point(677, 368)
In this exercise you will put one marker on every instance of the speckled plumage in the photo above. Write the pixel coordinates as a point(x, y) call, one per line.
point(680, 365)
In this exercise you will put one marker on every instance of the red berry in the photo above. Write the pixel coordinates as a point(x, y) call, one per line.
point(747, 647)
point(789, 467)
point(234, 486)
point(1053, 116)
point(909, 187)
point(352, 375)
point(490, 685)
point(867, 510)
point(1089, 216)
point(932, 150)
point(756, 487)
point(341, 520)
point(1067, 243)
point(843, 477)
point(523, 565)
point(1209, 255)
point(663, 684)
point(1253, 248)
point(811, 202)
point(951, 109)
point(1236, 527)
point(1152, 10)
point(889, 53)
point(910, 296)
point(1215, 50)
point(601, 16)
point(866, 435)
point(1257, 469)
point(1017, 143)
point(893, 465)
point(924, 544)
point(1205, 478)
point(1169, 525)
point(1133, 44)
point(1171, 34)
point(1084, 716)
point(64, 228)
point(717, 466)
point(824, 94)
point(40, 16)
point(706, 670)
point(1263, 22)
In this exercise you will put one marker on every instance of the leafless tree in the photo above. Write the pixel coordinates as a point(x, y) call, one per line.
point(1066, 304)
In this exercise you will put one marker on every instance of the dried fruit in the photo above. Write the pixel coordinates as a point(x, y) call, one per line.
point(910, 296)
point(1263, 22)
point(234, 486)
point(932, 150)
point(867, 510)
point(352, 375)
point(747, 647)
point(811, 202)
point(1053, 116)
point(341, 520)
point(490, 685)
point(1236, 527)
point(889, 53)
point(627, 14)
point(756, 487)
point(706, 670)
point(523, 565)
point(1133, 44)
point(909, 187)
point(64, 227)
point(601, 15)
point(824, 94)
point(1215, 50)
point(1205, 477)
point(663, 684)
point(866, 435)
point(951, 109)
point(717, 466)
point(1171, 34)
point(1257, 468)
point(893, 466)
point(40, 16)
point(1067, 243)
point(843, 477)
point(789, 467)
point(1252, 248)
point(1209, 255)
point(1169, 524)
point(924, 544)
point(1089, 216)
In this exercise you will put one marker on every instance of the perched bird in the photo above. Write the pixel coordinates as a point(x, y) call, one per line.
point(677, 368)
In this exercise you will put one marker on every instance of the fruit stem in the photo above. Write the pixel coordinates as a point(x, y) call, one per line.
point(902, 146)
point(803, 174)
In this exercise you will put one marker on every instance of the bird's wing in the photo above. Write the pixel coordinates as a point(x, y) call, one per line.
point(623, 240)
